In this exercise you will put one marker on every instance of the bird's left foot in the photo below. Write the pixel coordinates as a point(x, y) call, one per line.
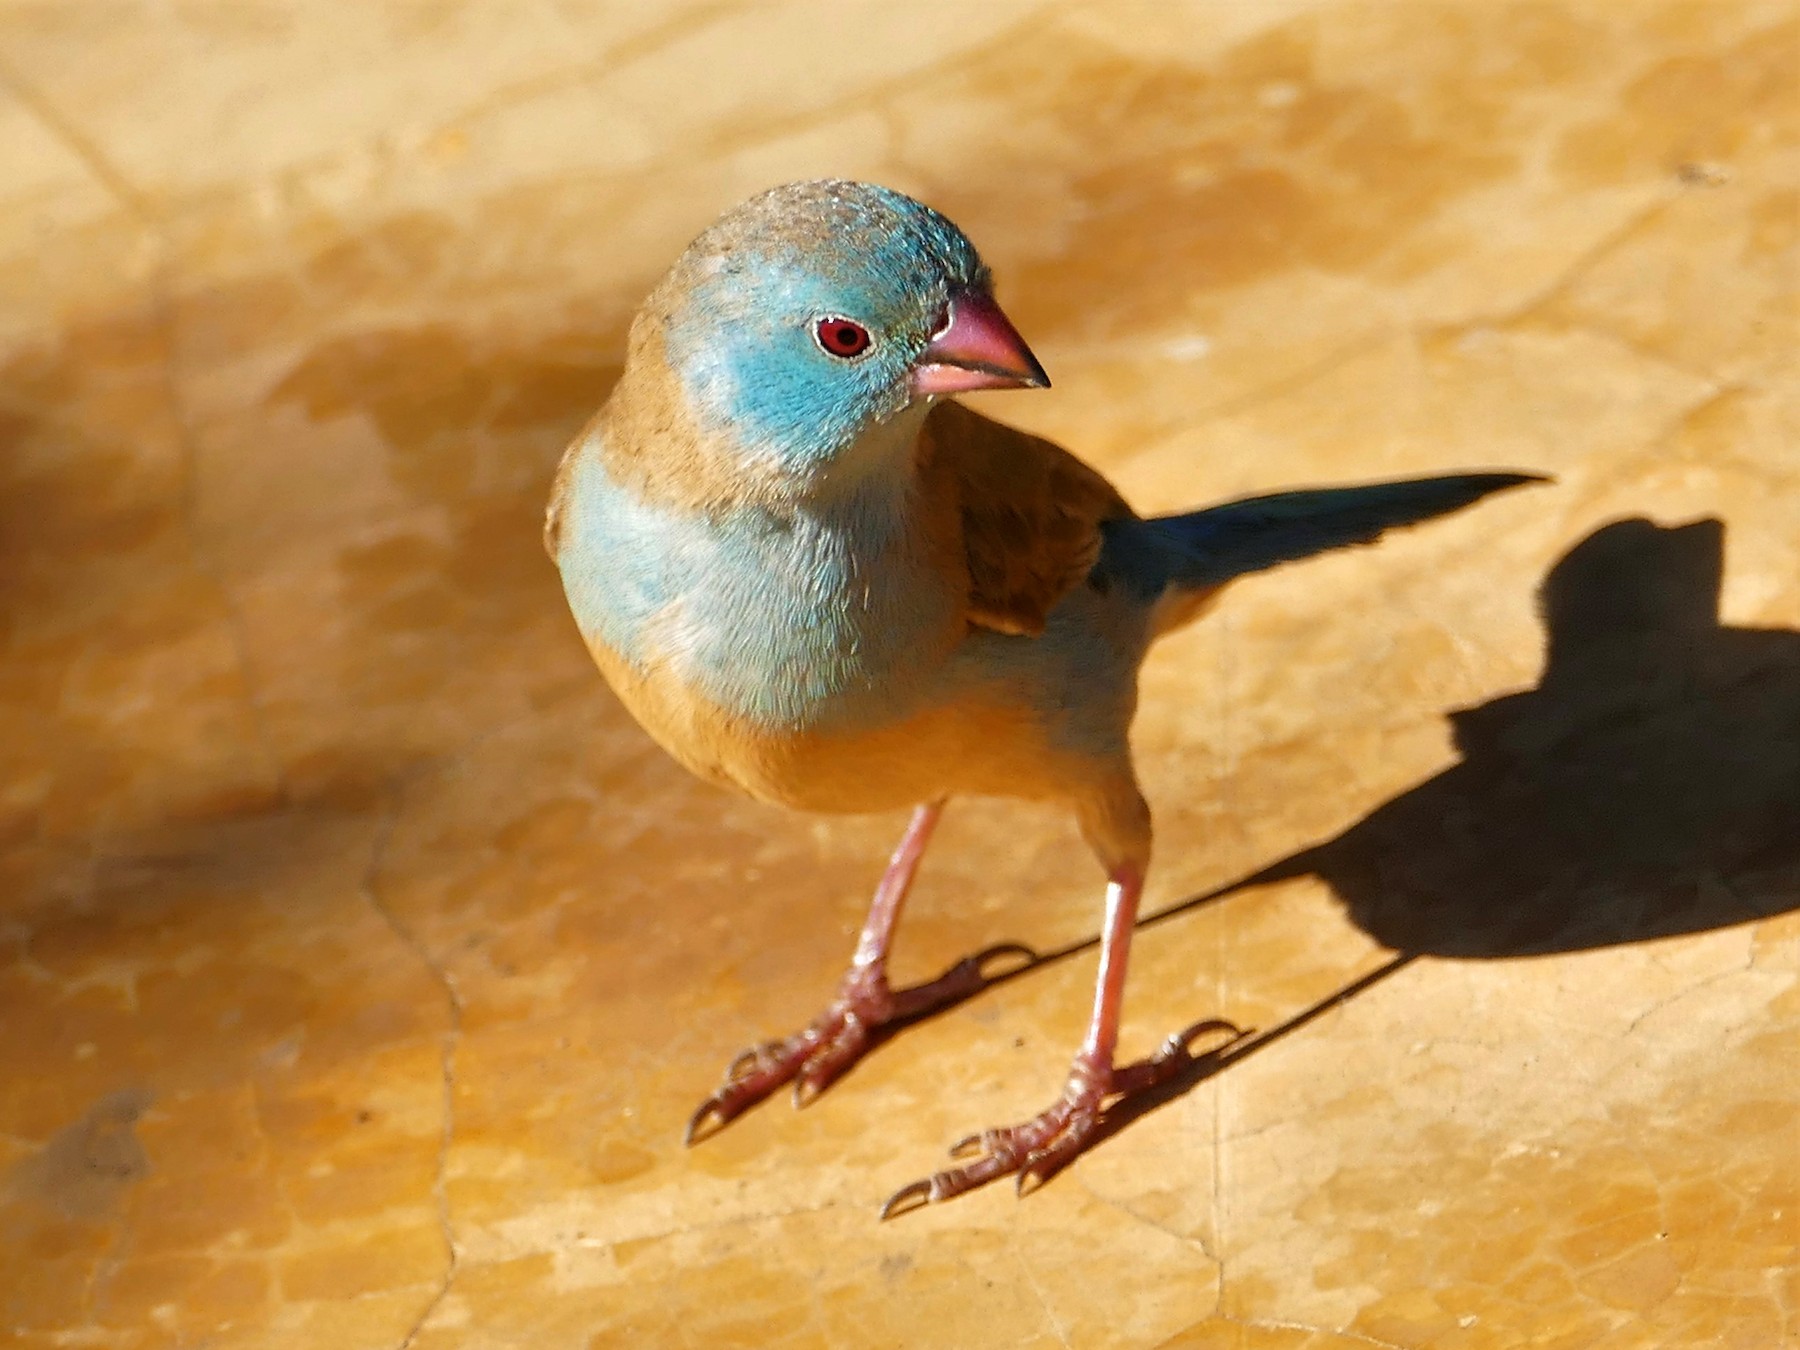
point(1039, 1148)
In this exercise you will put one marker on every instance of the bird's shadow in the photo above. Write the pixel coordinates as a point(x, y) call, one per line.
point(1648, 786)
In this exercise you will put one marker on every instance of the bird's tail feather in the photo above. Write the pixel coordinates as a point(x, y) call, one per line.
point(1203, 550)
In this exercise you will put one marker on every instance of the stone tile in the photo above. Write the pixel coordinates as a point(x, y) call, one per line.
point(360, 960)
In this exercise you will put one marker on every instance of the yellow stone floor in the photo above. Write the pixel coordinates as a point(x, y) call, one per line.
point(360, 961)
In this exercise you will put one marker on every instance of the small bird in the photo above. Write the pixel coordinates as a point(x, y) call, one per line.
point(815, 577)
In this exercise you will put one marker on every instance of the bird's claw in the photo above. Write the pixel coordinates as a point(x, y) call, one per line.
point(965, 979)
point(829, 1059)
point(1173, 1055)
point(810, 1060)
point(914, 1195)
point(817, 1057)
point(1034, 1149)
point(705, 1122)
point(982, 959)
point(971, 1145)
point(744, 1063)
point(1039, 1148)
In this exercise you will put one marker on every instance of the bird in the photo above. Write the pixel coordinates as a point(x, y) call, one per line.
point(814, 576)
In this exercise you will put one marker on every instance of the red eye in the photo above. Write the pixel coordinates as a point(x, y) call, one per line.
point(843, 337)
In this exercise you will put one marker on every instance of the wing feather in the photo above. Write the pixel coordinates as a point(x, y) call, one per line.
point(1029, 514)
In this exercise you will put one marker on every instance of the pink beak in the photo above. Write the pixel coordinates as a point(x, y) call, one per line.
point(977, 348)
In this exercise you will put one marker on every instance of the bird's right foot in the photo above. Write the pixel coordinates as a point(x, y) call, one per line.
point(864, 1011)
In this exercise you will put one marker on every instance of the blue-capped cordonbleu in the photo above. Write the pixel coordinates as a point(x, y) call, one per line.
point(813, 576)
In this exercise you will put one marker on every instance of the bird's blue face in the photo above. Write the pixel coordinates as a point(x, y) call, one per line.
point(807, 315)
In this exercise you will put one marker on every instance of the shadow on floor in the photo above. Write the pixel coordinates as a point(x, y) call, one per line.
point(1648, 786)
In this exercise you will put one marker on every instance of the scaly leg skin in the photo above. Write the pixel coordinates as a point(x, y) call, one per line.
point(1042, 1146)
point(814, 1058)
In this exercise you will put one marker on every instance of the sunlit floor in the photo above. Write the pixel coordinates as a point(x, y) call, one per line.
point(361, 961)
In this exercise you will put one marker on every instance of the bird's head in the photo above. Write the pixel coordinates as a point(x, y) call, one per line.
point(818, 310)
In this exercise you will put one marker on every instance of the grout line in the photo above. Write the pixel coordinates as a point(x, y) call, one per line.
point(449, 1041)
point(82, 146)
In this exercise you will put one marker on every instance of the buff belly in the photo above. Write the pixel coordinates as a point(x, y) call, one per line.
point(971, 746)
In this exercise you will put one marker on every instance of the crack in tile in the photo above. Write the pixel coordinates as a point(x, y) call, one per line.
point(1579, 266)
point(1659, 439)
point(1343, 354)
point(1686, 992)
point(1511, 316)
point(1585, 492)
point(626, 52)
point(61, 128)
point(740, 135)
point(1531, 308)
point(1119, 1206)
point(1199, 1243)
point(449, 1041)
point(1275, 389)
point(1642, 350)
point(1037, 1289)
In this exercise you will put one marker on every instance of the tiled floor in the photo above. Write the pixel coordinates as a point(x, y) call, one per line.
point(359, 959)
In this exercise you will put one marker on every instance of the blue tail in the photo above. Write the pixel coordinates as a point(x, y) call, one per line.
point(1205, 549)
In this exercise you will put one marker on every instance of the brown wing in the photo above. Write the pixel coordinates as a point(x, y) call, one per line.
point(1028, 512)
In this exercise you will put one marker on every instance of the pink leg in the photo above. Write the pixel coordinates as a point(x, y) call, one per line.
point(1043, 1145)
point(814, 1058)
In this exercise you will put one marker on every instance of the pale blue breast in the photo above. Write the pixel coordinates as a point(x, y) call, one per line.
point(823, 617)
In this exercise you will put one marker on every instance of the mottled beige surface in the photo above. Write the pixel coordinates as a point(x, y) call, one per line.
point(360, 961)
